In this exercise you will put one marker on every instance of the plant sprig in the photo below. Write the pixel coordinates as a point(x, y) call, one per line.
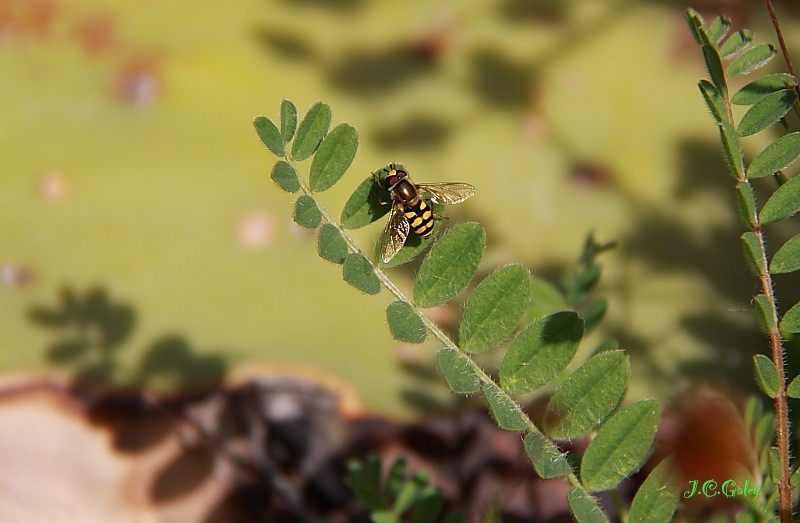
point(585, 402)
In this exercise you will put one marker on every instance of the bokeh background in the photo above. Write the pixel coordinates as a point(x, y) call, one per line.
point(142, 243)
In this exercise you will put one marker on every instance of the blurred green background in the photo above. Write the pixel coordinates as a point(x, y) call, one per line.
point(130, 166)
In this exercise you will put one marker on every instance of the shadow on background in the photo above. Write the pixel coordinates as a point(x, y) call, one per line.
point(90, 330)
point(416, 132)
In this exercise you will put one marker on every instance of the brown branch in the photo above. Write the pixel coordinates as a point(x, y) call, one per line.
point(782, 42)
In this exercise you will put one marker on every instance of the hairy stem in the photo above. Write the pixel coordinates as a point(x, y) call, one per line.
point(429, 324)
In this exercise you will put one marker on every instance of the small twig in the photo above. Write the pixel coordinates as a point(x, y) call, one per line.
point(782, 42)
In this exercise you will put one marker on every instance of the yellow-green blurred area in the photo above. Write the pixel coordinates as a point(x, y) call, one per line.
point(134, 190)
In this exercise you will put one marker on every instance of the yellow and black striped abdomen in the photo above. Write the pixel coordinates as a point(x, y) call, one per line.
point(420, 218)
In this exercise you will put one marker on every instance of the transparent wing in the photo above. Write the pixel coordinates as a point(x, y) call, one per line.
point(448, 192)
point(395, 233)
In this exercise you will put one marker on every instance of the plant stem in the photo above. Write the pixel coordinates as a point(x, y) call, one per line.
point(781, 41)
point(429, 324)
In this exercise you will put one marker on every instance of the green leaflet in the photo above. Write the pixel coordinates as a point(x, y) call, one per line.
point(657, 498)
point(736, 43)
point(793, 390)
point(285, 176)
point(541, 352)
point(753, 253)
point(620, 446)
point(755, 90)
point(783, 203)
point(494, 309)
point(587, 396)
point(364, 205)
point(306, 212)
point(312, 130)
point(457, 369)
point(775, 156)
point(404, 323)
point(714, 102)
point(333, 158)
point(594, 312)
point(765, 112)
point(269, 134)
point(584, 507)
point(715, 70)
point(288, 120)
point(718, 29)
point(765, 313)
point(545, 299)
point(750, 60)
point(732, 148)
point(696, 25)
point(787, 259)
point(547, 460)
point(449, 265)
point(790, 323)
point(330, 244)
point(506, 412)
point(358, 272)
point(766, 375)
point(746, 200)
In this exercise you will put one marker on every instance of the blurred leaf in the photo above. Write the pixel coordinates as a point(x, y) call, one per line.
point(449, 265)
point(719, 28)
point(747, 204)
point(286, 177)
point(409, 493)
point(269, 134)
point(795, 479)
point(49, 317)
point(755, 90)
point(547, 460)
point(736, 43)
point(713, 100)
point(580, 285)
point(541, 352)
point(311, 131)
point(657, 498)
point(732, 149)
point(428, 507)
point(766, 375)
point(404, 323)
point(765, 313)
point(775, 156)
point(753, 253)
point(64, 351)
point(384, 516)
point(358, 272)
point(414, 245)
point(774, 464)
point(765, 112)
point(330, 244)
point(364, 205)
point(787, 259)
point(594, 312)
point(545, 299)
point(494, 309)
point(288, 120)
point(506, 412)
point(715, 70)
point(457, 369)
point(306, 212)
point(584, 507)
point(333, 158)
point(621, 446)
point(587, 396)
point(765, 431)
point(783, 203)
point(790, 323)
point(750, 60)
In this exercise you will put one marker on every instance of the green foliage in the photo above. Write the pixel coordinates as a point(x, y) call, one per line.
point(753, 253)
point(657, 498)
point(330, 244)
point(404, 323)
point(541, 352)
point(785, 202)
point(747, 204)
point(306, 212)
point(775, 156)
point(736, 43)
point(312, 130)
point(750, 60)
point(358, 272)
point(538, 355)
point(458, 370)
point(494, 309)
point(587, 396)
point(787, 259)
point(757, 89)
point(790, 323)
point(400, 497)
point(766, 111)
point(334, 156)
point(584, 507)
point(547, 460)
point(449, 265)
point(793, 389)
point(766, 375)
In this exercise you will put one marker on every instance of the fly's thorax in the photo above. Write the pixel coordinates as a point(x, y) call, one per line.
point(406, 192)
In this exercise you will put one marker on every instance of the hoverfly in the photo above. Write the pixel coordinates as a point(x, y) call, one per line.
point(410, 211)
